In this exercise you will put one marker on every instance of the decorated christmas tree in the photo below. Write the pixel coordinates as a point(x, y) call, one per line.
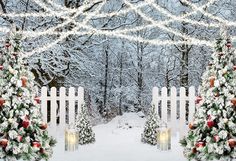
point(84, 128)
point(212, 133)
point(23, 134)
point(150, 128)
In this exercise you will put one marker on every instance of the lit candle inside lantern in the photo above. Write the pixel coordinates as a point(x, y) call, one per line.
point(71, 140)
point(164, 138)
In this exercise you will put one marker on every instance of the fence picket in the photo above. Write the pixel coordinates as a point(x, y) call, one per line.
point(71, 105)
point(182, 109)
point(164, 109)
point(173, 108)
point(62, 106)
point(53, 112)
point(44, 103)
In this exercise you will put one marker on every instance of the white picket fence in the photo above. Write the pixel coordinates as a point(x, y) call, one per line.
point(63, 104)
point(175, 107)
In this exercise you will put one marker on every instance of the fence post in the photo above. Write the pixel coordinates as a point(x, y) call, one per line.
point(71, 105)
point(53, 112)
point(164, 109)
point(44, 104)
point(173, 108)
point(62, 106)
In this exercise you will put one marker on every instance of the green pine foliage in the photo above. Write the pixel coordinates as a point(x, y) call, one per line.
point(212, 134)
point(23, 134)
point(149, 134)
point(84, 128)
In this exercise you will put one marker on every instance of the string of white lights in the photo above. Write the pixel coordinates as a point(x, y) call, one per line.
point(179, 19)
point(118, 32)
point(35, 14)
point(223, 21)
point(156, 42)
point(163, 27)
point(53, 29)
point(146, 18)
point(193, 41)
point(132, 29)
point(166, 22)
point(44, 14)
point(63, 36)
point(68, 11)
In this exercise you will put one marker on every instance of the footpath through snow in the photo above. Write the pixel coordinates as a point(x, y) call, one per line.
point(119, 140)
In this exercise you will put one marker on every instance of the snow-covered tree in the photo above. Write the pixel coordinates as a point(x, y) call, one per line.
point(23, 134)
point(84, 128)
point(212, 133)
point(149, 134)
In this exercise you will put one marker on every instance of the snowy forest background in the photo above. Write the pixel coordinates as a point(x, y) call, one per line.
point(118, 75)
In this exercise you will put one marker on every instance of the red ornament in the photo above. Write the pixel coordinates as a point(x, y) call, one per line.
point(25, 123)
point(212, 81)
point(2, 101)
point(37, 99)
point(198, 99)
point(200, 144)
point(36, 144)
point(232, 143)
point(210, 123)
point(24, 81)
point(43, 126)
point(233, 101)
point(7, 45)
point(216, 138)
point(1, 67)
point(3, 143)
point(19, 138)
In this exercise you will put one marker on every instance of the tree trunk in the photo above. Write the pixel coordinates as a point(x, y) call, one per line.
point(121, 81)
point(106, 81)
point(185, 49)
point(184, 82)
point(140, 74)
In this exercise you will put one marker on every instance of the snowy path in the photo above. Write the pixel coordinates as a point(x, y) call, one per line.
point(115, 141)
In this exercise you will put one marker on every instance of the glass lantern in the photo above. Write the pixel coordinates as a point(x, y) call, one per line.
point(71, 139)
point(163, 138)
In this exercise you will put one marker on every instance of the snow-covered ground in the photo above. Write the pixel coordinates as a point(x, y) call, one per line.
point(118, 140)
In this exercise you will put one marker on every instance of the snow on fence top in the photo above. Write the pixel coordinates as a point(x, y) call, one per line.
point(60, 107)
point(175, 107)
